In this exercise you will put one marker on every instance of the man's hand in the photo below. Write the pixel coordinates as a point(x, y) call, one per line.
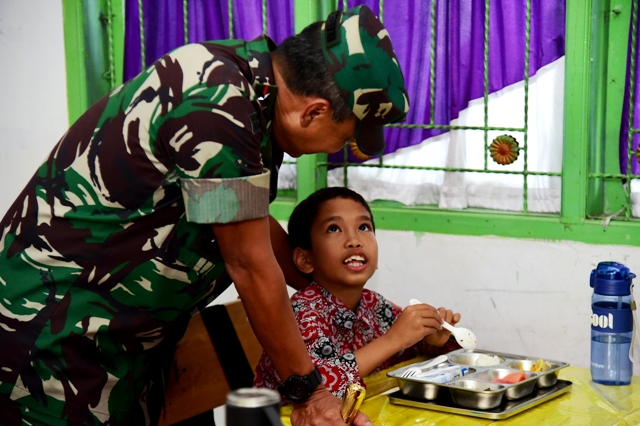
point(322, 409)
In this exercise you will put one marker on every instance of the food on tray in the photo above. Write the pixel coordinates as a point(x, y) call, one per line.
point(511, 378)
point(485, 360)
point(538, 367)
point(541, 366)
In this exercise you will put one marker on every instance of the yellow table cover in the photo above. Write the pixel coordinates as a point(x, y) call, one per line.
point(586, 403)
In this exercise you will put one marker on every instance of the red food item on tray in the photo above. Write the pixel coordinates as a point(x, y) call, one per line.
point(511, 378)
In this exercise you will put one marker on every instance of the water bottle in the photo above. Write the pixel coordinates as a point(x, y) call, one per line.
point(611, 324)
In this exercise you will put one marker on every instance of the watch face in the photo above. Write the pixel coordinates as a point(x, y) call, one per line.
point(298, 390)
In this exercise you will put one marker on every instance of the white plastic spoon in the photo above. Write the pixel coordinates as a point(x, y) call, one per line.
point(464, 336)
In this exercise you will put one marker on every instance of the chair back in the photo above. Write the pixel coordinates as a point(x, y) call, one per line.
point(218, 353)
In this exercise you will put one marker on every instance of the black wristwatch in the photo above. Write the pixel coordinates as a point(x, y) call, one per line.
point(299, 388)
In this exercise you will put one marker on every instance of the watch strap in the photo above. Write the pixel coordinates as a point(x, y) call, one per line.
point(315, 378)
point(310, 383)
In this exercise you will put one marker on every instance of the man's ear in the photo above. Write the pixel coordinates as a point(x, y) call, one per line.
point(315, 107)
point(302, 260)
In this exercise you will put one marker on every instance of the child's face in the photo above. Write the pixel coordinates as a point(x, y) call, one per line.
point(344, 250)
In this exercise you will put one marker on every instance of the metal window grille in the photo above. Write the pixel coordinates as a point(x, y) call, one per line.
point(485, 128)
point(631, 130)
point(185, 23)
point(610, 191)
point(622, 180)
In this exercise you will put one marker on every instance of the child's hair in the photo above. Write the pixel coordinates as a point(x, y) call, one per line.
point(305, 213)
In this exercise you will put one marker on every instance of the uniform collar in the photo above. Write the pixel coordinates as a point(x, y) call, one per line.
point(259, 58)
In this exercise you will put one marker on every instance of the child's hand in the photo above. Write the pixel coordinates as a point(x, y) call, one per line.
point(441, 336)
point(415, 322)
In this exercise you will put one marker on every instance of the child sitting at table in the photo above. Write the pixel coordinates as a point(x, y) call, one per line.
point(350, 331)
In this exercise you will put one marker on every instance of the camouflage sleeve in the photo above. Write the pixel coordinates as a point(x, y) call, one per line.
point(212, 132)
point(226, 200)
point(215, 137)
point(222, 176)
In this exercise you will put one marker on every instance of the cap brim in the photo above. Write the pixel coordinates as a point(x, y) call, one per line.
point(370, 139)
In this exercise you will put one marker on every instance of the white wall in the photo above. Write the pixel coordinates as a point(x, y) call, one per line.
point(528, 297)
point(520, 296)
point(33, 97)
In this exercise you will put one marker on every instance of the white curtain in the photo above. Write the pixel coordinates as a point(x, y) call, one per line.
point(465, 149)
point(635, 198)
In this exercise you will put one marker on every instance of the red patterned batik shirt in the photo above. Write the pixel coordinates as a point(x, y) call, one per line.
point(333, 332)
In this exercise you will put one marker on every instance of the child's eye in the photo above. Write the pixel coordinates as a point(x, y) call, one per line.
point(333, 228)
point(364, 227)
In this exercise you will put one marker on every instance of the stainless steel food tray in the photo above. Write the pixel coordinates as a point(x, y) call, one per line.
point(476, 390)
point(505, 410)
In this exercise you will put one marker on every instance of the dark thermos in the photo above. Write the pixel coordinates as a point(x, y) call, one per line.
point(253, 407)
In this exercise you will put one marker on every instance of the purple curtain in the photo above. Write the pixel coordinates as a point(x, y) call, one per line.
point(459, 54)
point(459, 44)
point(208, 20)
point(624, 135)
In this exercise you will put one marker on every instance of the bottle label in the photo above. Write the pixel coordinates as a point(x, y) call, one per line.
point(611, 320)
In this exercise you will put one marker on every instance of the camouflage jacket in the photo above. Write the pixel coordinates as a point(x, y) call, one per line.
point(109, 246)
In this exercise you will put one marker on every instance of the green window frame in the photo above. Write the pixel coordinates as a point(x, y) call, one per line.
point(595, 66)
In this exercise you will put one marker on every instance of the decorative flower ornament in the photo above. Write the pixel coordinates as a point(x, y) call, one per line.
point(638, 153)
point(504, 149)
point(356, 151)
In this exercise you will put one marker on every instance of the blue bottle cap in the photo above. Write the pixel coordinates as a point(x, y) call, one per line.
point(611, 279)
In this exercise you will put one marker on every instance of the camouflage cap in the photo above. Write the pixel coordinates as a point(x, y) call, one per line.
point(364, 66)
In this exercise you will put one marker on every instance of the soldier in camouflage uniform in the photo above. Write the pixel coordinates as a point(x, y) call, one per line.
point(156, 193)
